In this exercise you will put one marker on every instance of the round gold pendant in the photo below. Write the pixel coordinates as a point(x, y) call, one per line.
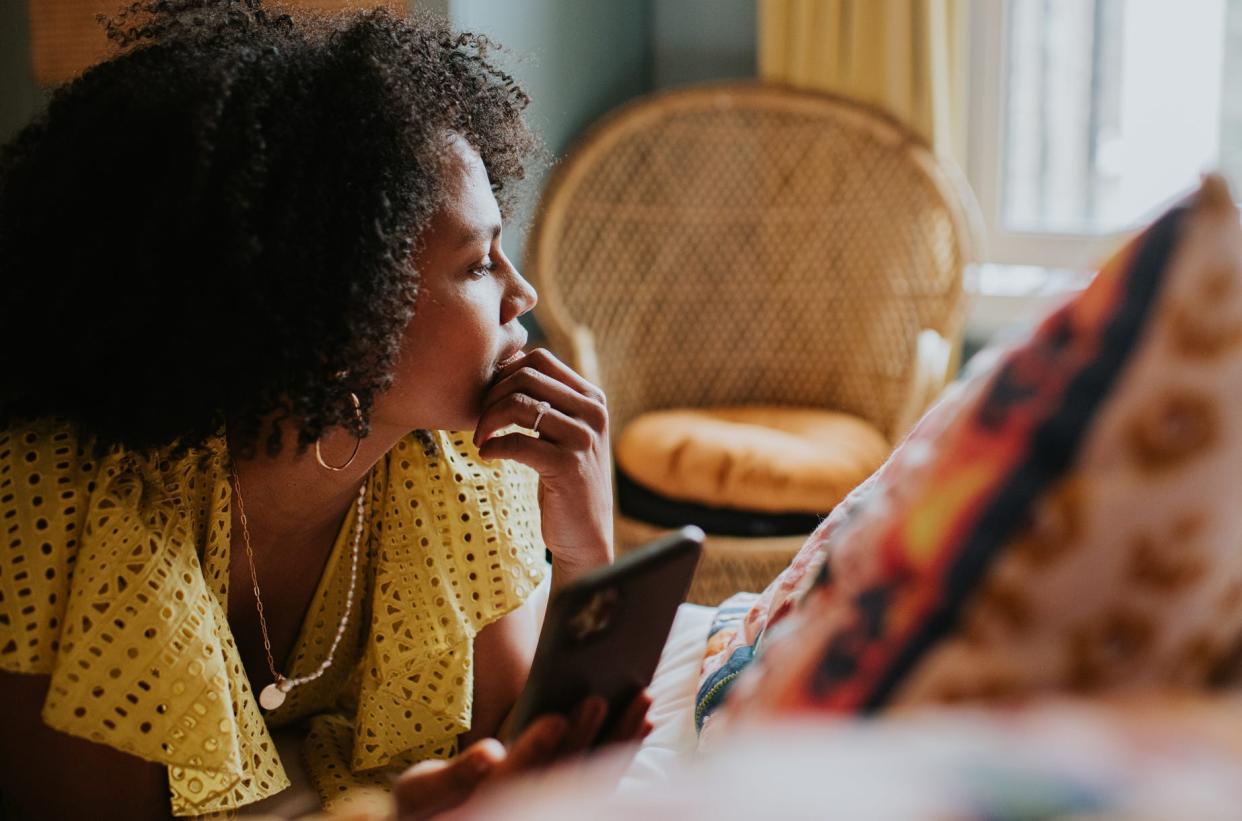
point(271, 697)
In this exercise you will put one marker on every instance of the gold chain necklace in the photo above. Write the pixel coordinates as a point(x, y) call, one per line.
point(273, 695)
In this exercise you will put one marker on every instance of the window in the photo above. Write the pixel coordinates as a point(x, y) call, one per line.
point(1089, 116)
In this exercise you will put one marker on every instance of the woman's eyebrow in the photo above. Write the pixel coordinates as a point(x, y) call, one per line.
point(473, 236)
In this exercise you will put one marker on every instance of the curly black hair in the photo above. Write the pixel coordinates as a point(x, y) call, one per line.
point(217, 225)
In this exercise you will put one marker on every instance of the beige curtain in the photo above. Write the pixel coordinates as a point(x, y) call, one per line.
point(905, 56)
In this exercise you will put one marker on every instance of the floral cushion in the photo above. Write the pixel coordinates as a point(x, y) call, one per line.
point(1066, 520)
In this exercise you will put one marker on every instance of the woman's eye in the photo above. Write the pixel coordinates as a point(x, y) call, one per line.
point(482, 269)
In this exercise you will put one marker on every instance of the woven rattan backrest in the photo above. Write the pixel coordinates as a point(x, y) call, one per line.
point(746, 244)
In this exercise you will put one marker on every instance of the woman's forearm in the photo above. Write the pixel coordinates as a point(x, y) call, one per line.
point(502, 656)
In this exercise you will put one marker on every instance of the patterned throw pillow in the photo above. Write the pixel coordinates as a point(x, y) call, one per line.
point(1067, 520)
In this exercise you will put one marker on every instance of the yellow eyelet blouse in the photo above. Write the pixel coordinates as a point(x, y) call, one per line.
point(114, 582)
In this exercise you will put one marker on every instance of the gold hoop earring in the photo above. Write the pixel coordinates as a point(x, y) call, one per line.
point(357, 440)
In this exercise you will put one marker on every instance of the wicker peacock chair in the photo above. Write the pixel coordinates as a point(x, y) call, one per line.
point(747, 244)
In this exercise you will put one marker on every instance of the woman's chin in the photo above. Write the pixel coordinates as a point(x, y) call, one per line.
point(468, 420)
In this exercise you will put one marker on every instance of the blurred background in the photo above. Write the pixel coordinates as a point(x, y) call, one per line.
point(576, 58)
point(1073, 120)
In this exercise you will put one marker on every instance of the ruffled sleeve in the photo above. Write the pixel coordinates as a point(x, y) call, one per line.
point(102, 589)
point(114, 583)
point(459, 547)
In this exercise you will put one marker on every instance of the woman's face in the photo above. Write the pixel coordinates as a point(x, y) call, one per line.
point(466, 317)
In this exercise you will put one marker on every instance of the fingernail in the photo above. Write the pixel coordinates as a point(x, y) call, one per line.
point(484, 758)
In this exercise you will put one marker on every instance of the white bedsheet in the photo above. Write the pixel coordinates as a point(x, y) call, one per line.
point(672, 692)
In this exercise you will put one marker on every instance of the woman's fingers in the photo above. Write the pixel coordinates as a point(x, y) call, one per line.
point(516, 398)
point(553, 422)
point(632, 725)
point(431, 787)
point(570, 455)
point(537, 746)
point(539, 454)
point(545, 362)
point(621, 739)
point(584, 725)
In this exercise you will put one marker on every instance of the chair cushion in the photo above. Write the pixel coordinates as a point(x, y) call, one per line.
point(767, 459)
point(1064, 520)
point(647, 507)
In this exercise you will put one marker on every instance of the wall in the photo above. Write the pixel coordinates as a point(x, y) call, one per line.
point(576, 58)
point(1231, 100)
point(700, 40)
point(579, 59)
point(19, 98)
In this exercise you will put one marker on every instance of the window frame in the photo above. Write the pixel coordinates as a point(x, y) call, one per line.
point(984, 162)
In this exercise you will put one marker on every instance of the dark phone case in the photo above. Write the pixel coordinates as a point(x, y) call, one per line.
point(603, 635)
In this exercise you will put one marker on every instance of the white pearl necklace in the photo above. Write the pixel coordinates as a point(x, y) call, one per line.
point(273, 695)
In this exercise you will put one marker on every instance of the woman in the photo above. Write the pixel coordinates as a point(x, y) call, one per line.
point(252, 272)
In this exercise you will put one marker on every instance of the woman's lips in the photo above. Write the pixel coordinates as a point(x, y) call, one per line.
point(514, 353)
point(509, 360)
point(505, 362)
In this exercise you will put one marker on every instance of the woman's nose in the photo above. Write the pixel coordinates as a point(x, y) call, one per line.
point(520, 297)
point(527, 296)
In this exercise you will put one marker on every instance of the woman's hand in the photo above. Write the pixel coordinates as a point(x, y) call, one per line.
point(432, 787)
point(571, 455)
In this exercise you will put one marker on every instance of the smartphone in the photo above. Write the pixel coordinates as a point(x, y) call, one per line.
point(604, 633)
